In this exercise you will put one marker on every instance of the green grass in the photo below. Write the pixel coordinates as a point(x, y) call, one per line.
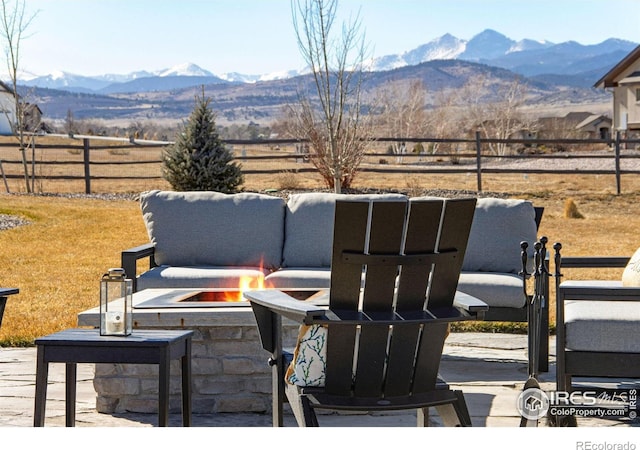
point(56, 261)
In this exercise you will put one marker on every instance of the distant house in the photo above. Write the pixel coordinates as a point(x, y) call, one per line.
point(624, 80)
point(575, 125)
point(596, 126)
point(33, 119)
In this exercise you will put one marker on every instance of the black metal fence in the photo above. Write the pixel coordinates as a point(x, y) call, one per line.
point(83, 158)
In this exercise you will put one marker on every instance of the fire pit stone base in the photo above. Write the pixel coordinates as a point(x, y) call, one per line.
point(229, 366)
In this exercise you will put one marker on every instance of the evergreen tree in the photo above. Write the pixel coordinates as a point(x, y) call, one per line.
point(199, 160)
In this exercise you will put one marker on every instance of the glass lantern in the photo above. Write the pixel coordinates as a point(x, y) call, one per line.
point(116, 311)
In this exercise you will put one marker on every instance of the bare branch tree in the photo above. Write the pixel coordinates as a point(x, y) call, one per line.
point(500, 118)
point(402, 113)
point(14, 22)
point(334, 124)
point(446, 121)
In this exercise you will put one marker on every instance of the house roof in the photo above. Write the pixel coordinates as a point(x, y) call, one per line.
point(593, 119)
point(577, 116)
point(609, 79)
point(631, 78)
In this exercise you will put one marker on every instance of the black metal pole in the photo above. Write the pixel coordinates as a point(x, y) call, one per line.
point(479, 160)
point(617, 157)
point(87, 172)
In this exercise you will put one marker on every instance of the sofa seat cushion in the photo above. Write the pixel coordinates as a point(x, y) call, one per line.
point(214, 229)
point(495, 289)
point(602, 326)
point(309, 226)
point(299, 278)
point(197, 277)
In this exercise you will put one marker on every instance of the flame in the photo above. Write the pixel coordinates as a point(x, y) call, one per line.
point(246, 283)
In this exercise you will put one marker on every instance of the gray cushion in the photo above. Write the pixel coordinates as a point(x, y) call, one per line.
point(495, 289)
point(309, 226)
point(602, 326)
point(498, 228)
point(299, 278)
point(196, 277)
point(215, 229)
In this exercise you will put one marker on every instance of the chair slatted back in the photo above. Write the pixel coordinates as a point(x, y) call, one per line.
point(410, 255)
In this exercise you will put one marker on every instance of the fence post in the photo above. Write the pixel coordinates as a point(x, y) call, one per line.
point(87, 172)
point(617, 157)
point(4, 178)
point(478, 160)
point(33, 163)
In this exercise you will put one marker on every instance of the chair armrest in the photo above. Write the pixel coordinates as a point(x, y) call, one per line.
point(280, 303)
point(599, 290)
point(594, 261)
point(4, 294)
point(129, 259)
point(8, 291)
point(469, 303)
point(269, 306)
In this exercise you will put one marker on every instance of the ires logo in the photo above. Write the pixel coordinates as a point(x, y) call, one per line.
point(534, 404)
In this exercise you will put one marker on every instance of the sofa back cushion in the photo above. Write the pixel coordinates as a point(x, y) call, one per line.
point(309, 226)
point(214, 229)
point(498, 228)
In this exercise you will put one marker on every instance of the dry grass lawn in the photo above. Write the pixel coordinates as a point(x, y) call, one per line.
point(57, 259)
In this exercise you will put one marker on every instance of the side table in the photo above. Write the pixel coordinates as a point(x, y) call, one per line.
point(84, 345)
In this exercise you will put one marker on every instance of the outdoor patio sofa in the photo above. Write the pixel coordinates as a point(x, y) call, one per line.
point(209, 240)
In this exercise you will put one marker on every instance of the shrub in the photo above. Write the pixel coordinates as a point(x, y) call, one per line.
point(413, 186)
point(571, 210)
point(199, 160)
point(288, 180)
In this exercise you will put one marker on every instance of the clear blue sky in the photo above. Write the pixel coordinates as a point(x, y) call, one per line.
point(91, 37)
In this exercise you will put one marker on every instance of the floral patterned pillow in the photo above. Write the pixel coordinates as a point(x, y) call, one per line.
point(309, 358)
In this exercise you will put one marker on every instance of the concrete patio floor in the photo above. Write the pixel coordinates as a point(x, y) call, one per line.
point(489, 368)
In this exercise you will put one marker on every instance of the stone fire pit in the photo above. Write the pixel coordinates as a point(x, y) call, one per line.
point(230, 371)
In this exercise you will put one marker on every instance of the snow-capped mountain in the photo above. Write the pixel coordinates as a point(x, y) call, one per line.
point(444, 47)
point(184, 70)
point(526, 57)
point(80, 83)
point(69, 81)
point(485, 46)
point(235, 77)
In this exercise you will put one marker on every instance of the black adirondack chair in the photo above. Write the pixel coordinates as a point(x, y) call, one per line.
point(394, 273)
point(4, 295)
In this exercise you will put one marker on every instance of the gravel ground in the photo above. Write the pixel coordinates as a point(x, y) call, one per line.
point(603, 160)
point(7, 221)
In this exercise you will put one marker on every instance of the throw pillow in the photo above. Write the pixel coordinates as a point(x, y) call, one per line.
point(309, 357)
point(631, 274)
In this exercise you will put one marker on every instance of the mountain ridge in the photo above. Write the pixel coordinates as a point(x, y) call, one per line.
point(264, 102)
point(557, 75)
point(526, 57)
